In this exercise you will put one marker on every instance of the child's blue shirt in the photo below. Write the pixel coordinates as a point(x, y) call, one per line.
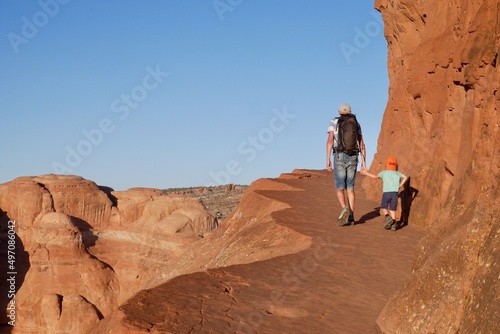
point(391, 179)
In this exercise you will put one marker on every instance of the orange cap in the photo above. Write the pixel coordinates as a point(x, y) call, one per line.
point(391, 164)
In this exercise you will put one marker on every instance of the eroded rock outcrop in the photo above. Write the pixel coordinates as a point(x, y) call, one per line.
point(66, 287)
point(247, 235)
point(278, 264)
point(150, 230)
point(88, 248)
point(442, 122)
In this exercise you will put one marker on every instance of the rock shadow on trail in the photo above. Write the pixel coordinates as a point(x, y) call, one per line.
point(368, 216)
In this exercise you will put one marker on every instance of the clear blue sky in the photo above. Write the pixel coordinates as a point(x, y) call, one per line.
point(183, 93)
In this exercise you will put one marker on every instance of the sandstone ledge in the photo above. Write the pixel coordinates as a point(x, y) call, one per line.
point(329, 280)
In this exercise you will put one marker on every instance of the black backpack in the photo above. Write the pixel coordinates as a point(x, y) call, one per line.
point(348, 134)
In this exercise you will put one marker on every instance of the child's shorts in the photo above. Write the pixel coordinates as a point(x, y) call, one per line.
point(389, 199)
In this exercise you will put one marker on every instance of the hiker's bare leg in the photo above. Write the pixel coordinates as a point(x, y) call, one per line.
point(393, 214)
point(341, 197)
point(351, 198)
point(384, 211)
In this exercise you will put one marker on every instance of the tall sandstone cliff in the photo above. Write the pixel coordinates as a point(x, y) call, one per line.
point(442, 123)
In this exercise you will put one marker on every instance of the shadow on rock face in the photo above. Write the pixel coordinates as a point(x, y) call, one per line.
point(407, 195)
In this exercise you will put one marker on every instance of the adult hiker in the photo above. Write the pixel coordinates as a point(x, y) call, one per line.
point(345, 141)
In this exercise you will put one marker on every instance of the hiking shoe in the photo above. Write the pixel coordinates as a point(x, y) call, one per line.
point(394, 226)
point(350, 220)
point(344, 214)
point(388, 221)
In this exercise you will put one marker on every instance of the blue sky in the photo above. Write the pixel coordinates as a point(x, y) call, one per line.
point(183, 93)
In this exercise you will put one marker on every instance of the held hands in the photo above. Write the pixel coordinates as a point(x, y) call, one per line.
point(364, 171)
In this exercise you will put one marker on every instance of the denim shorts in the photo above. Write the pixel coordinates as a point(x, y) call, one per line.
point(389, 199)
point(344, 170)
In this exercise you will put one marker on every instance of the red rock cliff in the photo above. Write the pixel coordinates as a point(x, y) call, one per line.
point(442, 124)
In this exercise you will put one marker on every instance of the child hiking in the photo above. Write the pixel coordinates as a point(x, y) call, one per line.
point(392, 180)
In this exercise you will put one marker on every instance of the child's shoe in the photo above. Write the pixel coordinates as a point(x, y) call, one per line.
point(388, 222)
point(350, 220)
point(394, 226)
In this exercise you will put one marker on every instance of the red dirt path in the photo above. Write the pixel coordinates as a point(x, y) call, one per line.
point(339, 285)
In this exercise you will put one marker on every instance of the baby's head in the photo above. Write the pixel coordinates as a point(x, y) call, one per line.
point(391, 163)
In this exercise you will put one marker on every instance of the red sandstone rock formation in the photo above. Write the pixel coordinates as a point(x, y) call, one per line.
point(86, 249)
point(249, 234)
point(149, 231)
point(66, 288)
point(442, 122)
point(98, 249)
point(278, 264)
